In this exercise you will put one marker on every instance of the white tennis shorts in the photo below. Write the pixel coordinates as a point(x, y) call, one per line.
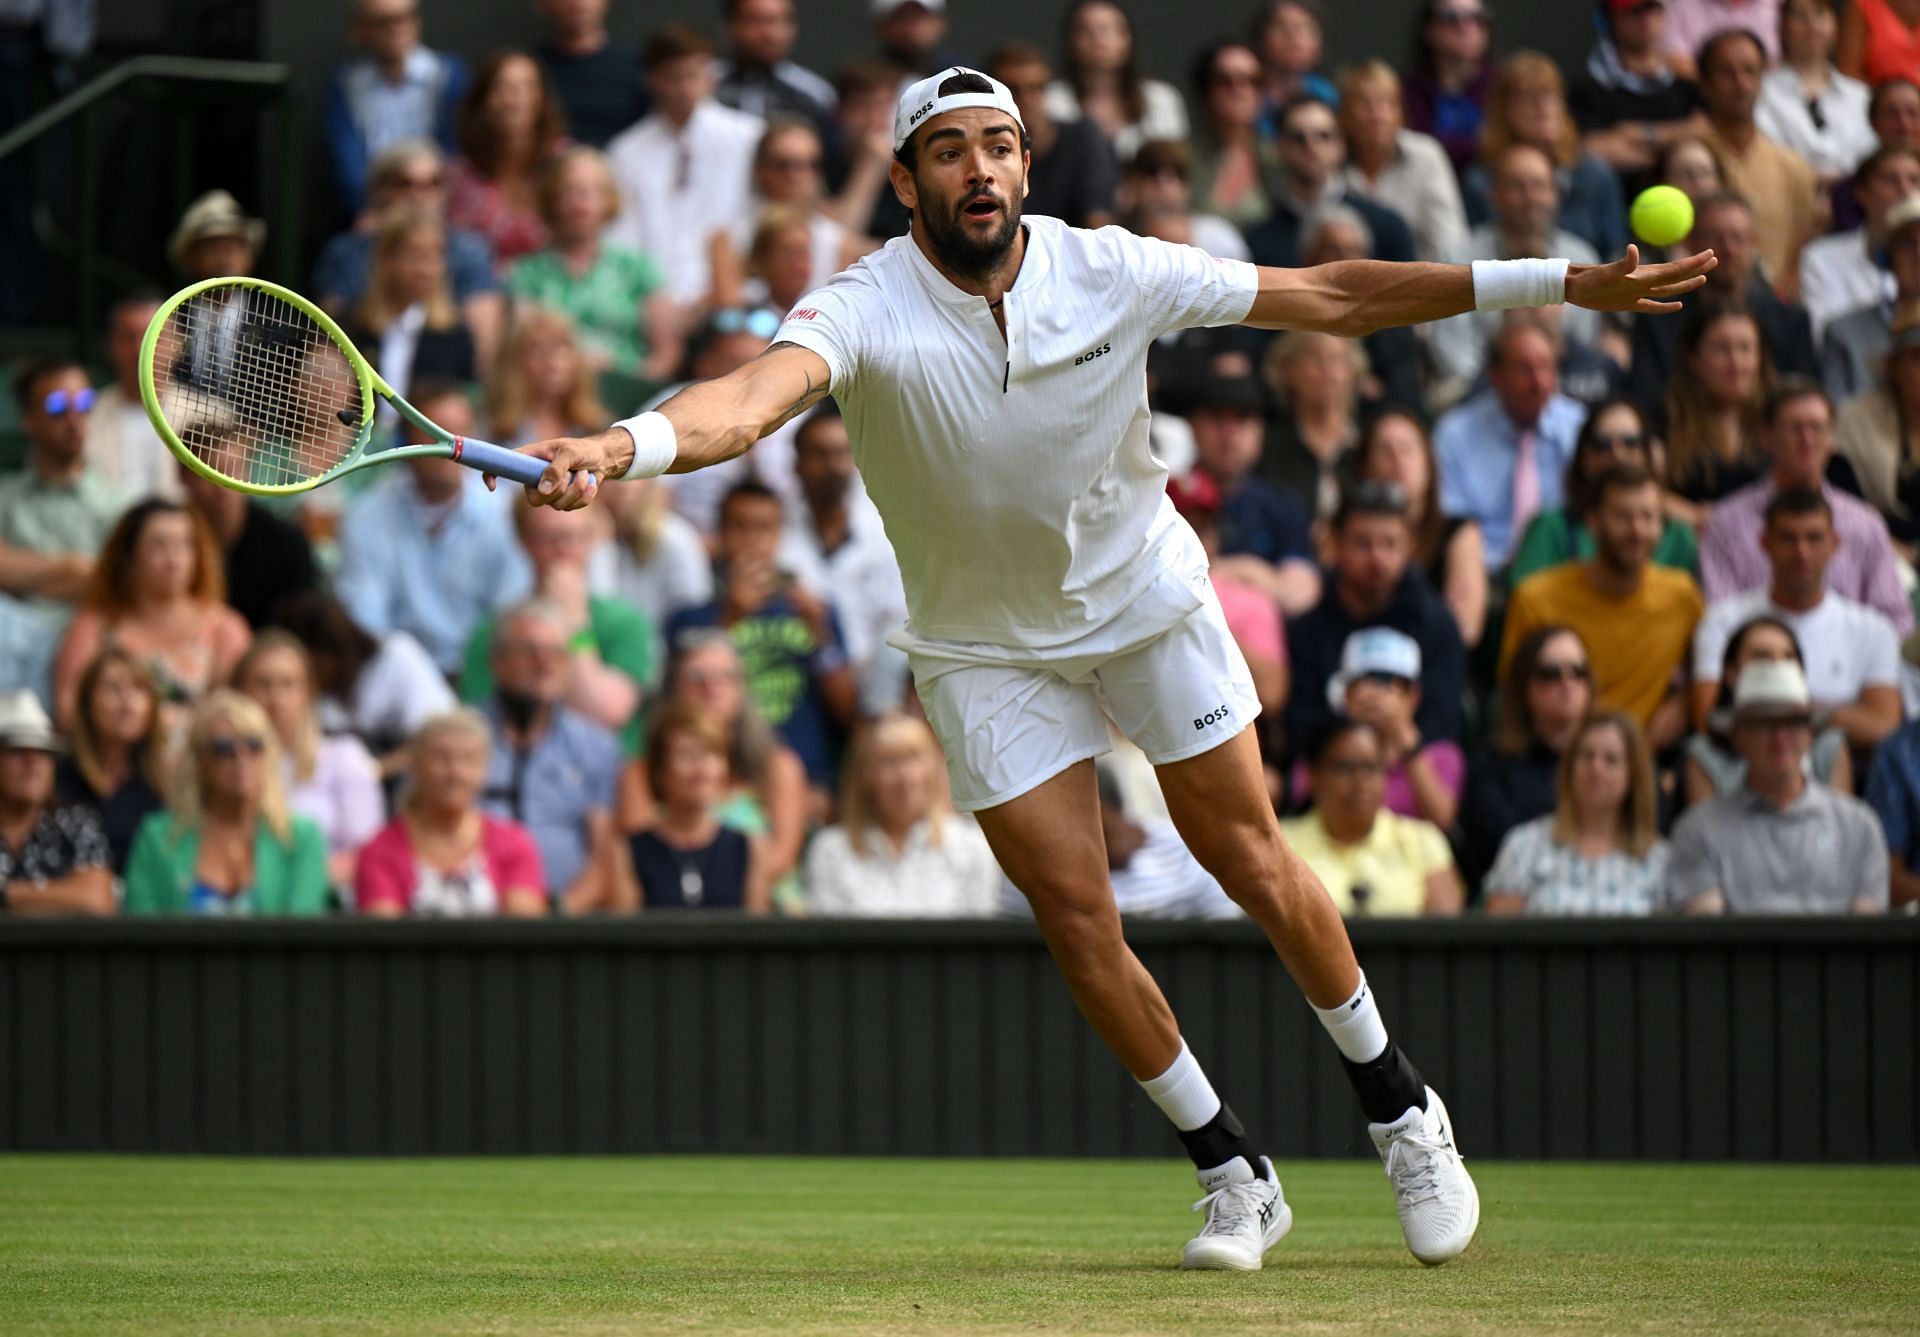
point(1166, 670)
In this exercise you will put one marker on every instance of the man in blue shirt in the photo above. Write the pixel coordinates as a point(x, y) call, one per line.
point(1504, 452)
point(1893, 792)
point(397, 90)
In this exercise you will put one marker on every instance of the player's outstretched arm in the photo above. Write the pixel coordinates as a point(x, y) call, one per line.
point(1357, 297)
point(711, 421)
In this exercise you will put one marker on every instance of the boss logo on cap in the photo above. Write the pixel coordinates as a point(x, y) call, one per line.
point(915, 118)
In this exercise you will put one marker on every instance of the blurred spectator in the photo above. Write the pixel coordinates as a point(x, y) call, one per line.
point(789, 636)
point(1290, 38)
point(1842, 272)
point(1799, 433)
point(655, 561)
point(1266, 538)
point(913, 35)
point(1073, 172)
point(1716, 405)
point(761, 77)
point(1600, 853)
point(408, 543)
point(1315, 382)
point(859, 158)
point(1617, 431)
point(412, 175)
point(1311, 174)
point(264, 558)
point(1723, 224)
point(1635, 618)
point(1446, 89)
point(1101, 81)
point(54, 858)
point(1854, 668)
point(511, 123)
point(687, 859)
point(1628, 101)
point(381, 689)
point(835, 541)
point(1878, 41)
point(767, 797)
point(1712, 765)
point(1233, 163)
point(1775, 180)
point(215, 238)
point(1524, 200)
point(1379, 685)
point(1393, 354)
point(551, 769)
point(1894, 112)
point(543, 386)
point(159, 592)
point(899, 851)
point(787, 183)
point(1503, 453)
point(123, 451)
point(1857, 341)
point(609, 643)
point(406, 320)
point(1371, 583)
point(1156, 197)
point(1404, 170)
point(1448, 549)
point(1372, 862)
point(684, 169)
point(398, 89)
point(1872, 432)
point(1545, 692)
point(1528, 105)
point(595, 75)
point(1782, 843)
point(331, 779)
point(1805, 103)
point(1693, 23)
point(227, 845)
point(614, 297)
point(441, 857)
point(1153, 873)
point(1893, 791)
point(726, 340)
point(1689, 164)
point(1253, 617)
point(117, 767)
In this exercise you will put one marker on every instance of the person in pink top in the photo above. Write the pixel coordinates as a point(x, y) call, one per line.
point(1692, 22)
point(510, 125)
point(442, 857)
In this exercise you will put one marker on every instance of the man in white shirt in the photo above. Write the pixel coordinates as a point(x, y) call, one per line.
point(684, 170)
point(122, 447)
point(1852, 655)
point(990, 370)
point(1841, 272)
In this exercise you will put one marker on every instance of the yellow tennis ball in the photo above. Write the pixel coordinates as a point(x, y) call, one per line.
point(1661, 215)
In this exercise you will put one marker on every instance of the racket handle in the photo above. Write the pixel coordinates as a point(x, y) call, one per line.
point(492, 459)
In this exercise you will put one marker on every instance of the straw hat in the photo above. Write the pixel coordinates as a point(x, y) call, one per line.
point(214, 214)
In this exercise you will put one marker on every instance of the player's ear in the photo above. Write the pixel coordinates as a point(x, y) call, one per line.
point(1026, 173)
point(903, 187)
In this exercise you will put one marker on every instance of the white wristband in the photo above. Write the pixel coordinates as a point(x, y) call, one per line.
point(1501, 285)
point(655, 444)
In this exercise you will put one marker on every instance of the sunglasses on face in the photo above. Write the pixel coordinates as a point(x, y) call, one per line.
point(419, 182)
point(1562, 672)
point(1321, 136)
point(226, 749)
point(1461, 18)
point(1355, 770)
point(60, 402)
point(1616, 442)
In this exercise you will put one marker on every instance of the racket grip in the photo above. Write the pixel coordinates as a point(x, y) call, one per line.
point(492, 459)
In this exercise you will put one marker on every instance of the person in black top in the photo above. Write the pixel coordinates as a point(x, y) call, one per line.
point(1313, 158)
point(1628, 102)
point(1074, 172)
point(686, 859)
point(267, 559)
point(761, 77)
point(114, 769)
point(53, 857)
point(595, 75)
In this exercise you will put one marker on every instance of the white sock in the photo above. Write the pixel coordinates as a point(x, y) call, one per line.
point(1183, 1092)
point(1355, 1026)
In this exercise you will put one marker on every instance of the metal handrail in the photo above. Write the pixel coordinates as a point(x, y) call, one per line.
point(190, 68)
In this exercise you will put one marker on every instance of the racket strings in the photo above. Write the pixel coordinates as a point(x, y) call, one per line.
point(256, 389)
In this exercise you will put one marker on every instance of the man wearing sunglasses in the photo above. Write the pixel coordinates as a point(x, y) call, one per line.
point(1313, 162)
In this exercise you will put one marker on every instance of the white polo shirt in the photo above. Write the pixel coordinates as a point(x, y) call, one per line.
point(1848, 646)
point(1014, 475)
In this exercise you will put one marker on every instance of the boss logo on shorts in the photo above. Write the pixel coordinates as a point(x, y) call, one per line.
point(1218, 715)
point(1101, 351)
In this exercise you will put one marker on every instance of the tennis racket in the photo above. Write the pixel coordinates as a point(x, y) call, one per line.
point(251, 385)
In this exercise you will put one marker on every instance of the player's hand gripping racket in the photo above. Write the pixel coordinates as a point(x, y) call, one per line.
point(256, 388)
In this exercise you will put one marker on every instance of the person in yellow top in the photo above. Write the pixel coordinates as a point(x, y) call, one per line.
point(1373, 862)
point(1636, 618)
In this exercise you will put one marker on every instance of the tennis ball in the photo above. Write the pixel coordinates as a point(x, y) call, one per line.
point(1661, 215)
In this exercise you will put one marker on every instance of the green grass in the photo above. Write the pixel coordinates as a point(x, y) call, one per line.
point(100, 1244)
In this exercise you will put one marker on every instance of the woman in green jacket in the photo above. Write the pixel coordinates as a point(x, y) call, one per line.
point(226, 845)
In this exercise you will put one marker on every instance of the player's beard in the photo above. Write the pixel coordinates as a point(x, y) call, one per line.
point(965, 253)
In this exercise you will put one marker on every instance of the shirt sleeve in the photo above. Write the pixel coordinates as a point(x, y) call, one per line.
point(1508, 876)
point(1710, 643)
point(1449, 764)
point(1870, 858)
point(1182, 287)
point(1888, 796)
point(383, 875)
point(1691, 867)
point(513, 859)
point(839, 323)
point(1880, 655)
point(1430, 845)
point(826, 894)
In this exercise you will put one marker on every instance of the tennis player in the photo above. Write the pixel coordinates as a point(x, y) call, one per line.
point(992, 372)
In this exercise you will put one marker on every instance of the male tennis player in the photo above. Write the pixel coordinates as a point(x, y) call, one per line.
point(992, 375)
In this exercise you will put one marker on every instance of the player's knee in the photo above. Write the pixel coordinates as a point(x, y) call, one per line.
point(1073, 915)
point(1248, 860)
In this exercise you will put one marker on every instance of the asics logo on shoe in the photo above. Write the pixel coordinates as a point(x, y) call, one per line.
point(1215, 1180)
point(1266, 1214)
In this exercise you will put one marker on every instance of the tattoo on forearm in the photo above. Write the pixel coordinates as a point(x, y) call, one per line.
point(811, 396)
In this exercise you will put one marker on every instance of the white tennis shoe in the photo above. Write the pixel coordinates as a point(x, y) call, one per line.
point(1245, 1217)
point(1439, 1206)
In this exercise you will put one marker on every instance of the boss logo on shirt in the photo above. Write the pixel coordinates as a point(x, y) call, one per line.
point(1101, 351)
point(1215, 716)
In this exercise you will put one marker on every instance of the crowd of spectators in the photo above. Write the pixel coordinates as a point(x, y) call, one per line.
point(1549, 613)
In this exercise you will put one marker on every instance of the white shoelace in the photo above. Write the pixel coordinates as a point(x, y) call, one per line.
point(1413, 1164)
point(1230, 1205)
